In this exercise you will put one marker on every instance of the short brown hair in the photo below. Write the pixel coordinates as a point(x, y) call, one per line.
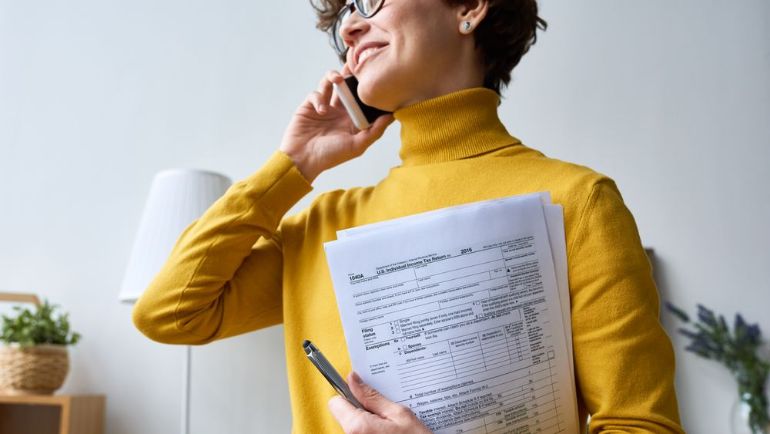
point(503, 36)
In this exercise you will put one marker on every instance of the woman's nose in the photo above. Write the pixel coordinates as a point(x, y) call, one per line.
point(352, 28)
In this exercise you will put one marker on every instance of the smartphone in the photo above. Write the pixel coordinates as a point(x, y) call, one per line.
point(327, 370)
point(361, 114)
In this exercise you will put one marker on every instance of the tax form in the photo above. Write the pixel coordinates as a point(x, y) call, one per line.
point(462, 314)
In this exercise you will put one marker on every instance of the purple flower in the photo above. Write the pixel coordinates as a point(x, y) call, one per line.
point(679, 313)
point(706, 316)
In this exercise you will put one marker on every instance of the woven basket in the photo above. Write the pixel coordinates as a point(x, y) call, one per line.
point(36, 370)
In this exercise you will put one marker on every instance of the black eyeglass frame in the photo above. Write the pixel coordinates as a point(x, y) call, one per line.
point(353, 6)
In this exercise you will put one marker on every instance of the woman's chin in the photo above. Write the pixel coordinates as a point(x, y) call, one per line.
point(377, 96)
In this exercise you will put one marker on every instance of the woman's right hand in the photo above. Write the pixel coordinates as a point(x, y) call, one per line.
point(321, 135)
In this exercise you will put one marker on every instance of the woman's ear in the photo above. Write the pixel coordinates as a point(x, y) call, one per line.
point(470, 14)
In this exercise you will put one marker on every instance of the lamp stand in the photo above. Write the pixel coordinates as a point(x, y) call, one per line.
point(186, 374)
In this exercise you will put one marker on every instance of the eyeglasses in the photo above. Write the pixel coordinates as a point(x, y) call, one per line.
point(365, 8)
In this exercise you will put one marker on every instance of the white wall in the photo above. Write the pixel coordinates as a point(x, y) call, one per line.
point(670, 98)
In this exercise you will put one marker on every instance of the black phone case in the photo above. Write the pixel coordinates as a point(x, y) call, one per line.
point(370, 112)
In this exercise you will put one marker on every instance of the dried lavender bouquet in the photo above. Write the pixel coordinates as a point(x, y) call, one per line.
point(738, 351)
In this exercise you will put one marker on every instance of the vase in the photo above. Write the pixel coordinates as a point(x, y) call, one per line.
point(740, 417)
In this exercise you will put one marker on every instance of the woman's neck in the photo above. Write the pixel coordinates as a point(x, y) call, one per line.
point(457, 125)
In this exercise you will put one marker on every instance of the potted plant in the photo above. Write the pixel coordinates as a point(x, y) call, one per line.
point(34, 357)
point(738, 350)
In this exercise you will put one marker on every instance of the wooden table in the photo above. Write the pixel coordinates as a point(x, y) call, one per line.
point(52, 414)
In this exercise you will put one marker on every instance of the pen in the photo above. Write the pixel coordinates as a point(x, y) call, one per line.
point(331, 374)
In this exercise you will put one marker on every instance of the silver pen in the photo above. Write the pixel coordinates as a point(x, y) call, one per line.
point(331, 374)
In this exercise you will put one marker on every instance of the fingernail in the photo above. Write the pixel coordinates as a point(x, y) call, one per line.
point(356, 378)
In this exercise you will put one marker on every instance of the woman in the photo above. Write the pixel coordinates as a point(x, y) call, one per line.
point(439, 66)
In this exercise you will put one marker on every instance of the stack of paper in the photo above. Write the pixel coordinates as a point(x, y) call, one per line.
point(462, 314)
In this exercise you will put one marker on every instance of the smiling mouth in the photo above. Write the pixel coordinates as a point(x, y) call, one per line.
point(366, 54)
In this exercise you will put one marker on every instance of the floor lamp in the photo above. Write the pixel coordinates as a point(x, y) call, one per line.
point(177, 197)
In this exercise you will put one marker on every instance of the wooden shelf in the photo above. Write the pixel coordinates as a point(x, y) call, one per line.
point(52, 414)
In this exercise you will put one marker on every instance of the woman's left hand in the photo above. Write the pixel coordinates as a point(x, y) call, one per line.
point(384, 416)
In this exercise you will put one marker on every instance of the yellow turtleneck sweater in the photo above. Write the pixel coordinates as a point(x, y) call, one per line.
point(242, 266)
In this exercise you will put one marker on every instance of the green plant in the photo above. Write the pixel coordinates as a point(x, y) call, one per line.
point(738, 351)
point(29, 328)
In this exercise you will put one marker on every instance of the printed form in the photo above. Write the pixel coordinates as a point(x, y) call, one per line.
point(462, 314)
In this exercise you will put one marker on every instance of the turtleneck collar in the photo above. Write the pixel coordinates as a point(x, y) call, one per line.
point(457, 125)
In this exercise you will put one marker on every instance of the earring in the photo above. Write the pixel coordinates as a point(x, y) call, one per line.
point(466, 27)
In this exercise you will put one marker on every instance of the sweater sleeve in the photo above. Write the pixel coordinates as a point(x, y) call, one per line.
point(624, 360)
point(224, 274)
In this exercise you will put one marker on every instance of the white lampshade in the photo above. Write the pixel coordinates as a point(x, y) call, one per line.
point(177, 197)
